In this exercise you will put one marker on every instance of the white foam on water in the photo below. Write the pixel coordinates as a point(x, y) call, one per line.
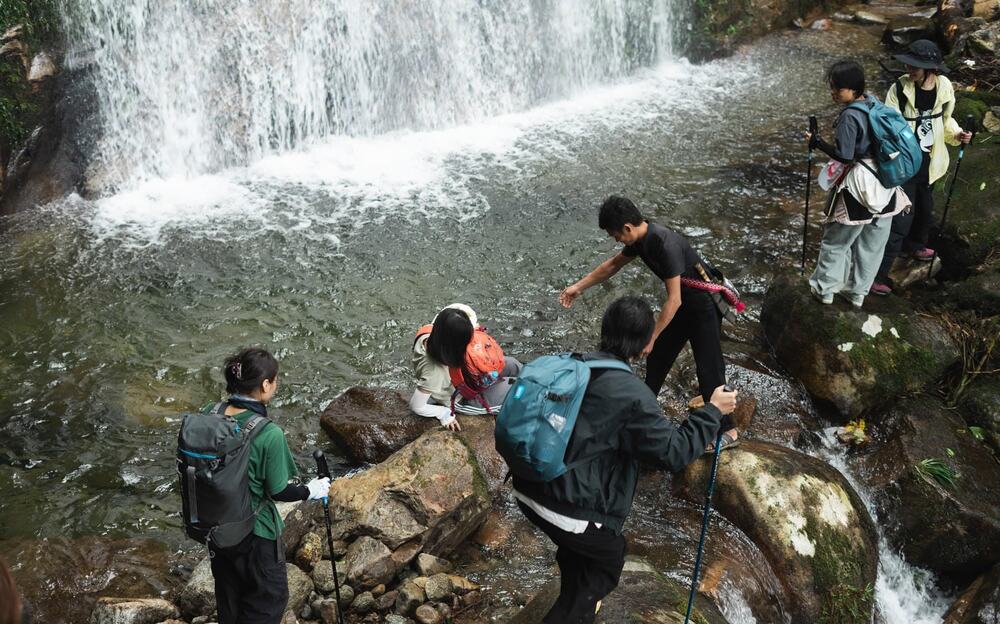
point(408, 173)
point(904, 593)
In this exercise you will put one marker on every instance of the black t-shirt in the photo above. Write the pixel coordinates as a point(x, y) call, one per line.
point(925, 108)
point(665, 252)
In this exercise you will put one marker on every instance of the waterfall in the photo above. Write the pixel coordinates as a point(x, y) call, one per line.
point(188, 87)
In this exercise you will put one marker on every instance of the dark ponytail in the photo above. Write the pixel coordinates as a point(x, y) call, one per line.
point(247, 370)
point(449, 338)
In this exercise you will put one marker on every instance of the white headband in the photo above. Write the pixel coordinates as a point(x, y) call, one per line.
point(463, 308)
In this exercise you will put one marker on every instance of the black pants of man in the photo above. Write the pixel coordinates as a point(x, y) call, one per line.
point(697, 321)
point(251, 582)
point(590, 565)
point(910, 231)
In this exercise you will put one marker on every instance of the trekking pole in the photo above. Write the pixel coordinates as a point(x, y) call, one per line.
point(970, 122)
point(706, 517)
point(805, 213)
point(323, 470)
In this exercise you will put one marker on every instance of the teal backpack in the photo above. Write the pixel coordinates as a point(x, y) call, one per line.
point(537, 418)
point(897, 151)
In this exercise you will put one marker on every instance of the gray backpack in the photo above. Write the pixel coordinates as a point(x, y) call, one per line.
point(213, 452)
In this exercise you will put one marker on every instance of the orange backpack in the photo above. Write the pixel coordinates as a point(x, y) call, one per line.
point(484, 362)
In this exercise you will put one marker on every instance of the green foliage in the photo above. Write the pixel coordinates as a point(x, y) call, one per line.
point(39, 18)
point(977, 433)
point(933, 468)
point(39, 21)
point(839, 574)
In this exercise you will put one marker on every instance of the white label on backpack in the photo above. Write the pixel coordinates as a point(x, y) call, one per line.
point(558, 422)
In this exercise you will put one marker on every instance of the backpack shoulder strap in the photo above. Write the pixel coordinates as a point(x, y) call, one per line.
point(617, 364)
point(254, 426)
point(220, 408)
point(901, 97)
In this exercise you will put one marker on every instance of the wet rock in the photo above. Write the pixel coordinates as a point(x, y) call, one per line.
point(642, 595)
point(393, 618)
point(301, 519)
point(855, 360)
point(461, 585)
point(972, 232)
point(322, 576)
point(979, 406)
point(386, 601)
point(431, 491)
point(867, 17)
point(372, 423)
point(902, 31)
point(402, 556)
point(409, 598)
point(438, 587)
point(984, 41)
point(328, 610)
point(132, 611)
point(368, 563)
point(363, 603)
point(426, 614)
point(42, 67)
point(198, 596)
point(779, 409)
point(299, 587)
point(429, 565)
point(908, 271)
point(951, 528)
point(804, 517)
point(979, 603)
point(310, 551)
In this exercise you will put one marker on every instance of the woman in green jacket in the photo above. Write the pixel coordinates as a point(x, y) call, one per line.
point(927, 99)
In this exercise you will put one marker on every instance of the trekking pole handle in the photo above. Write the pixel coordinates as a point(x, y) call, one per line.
point(813, 125)
point(322, 469)
point(728, 388)
point(970, 126)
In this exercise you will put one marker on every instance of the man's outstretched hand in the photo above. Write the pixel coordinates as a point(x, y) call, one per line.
point(568, 296)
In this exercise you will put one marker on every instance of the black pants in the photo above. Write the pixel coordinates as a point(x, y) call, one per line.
point(590, 565)
point(251, 582)
point(911, 231)
point(697, 321)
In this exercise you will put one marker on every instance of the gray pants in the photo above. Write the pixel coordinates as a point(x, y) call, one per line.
point(496, 393)
point(849, 257)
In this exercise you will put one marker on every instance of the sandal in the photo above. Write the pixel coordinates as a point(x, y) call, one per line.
point(728, 441)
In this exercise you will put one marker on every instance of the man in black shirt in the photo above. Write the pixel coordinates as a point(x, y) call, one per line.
point(688, 315)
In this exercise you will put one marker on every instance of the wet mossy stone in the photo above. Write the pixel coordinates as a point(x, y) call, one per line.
point(951, 527)
point(643, 595)
point(972, 231)
point(808, 521)
point(979, 603)
point(980, 407)
point(979, 293)
point(854, 360)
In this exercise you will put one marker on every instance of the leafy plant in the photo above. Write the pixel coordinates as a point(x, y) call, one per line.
point(933, 468)
point(977, 433)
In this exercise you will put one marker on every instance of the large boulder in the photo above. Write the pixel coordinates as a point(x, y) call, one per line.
point(642, 595)
point(430, 491)
point(132, 611)
point(972, 232)
point(902, 31)
point(979, 603)
point(806, 519)
point(979, 407)
point(370, 424)
point(198, 596)
point(854, 360)
point(946, 519)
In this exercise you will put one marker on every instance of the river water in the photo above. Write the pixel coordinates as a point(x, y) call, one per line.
point(329, 240)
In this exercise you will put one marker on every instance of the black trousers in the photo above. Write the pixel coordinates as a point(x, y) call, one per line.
point(590, 565)
point(911, 231)
point(251, 582)
point(699, 322)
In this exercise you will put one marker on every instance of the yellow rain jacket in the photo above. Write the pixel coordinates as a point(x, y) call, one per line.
point(944, 128)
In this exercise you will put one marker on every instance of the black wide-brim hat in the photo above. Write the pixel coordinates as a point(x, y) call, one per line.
point(924, 54)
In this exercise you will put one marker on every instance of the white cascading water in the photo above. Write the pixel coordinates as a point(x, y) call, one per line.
point(194, 87)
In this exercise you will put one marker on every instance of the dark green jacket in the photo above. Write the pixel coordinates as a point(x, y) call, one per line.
point(619, 425)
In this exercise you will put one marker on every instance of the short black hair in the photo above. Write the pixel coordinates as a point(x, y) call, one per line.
point(246, 371)
point(450, 337)
point(847, 75)
point(626, 327)
point(615, 212)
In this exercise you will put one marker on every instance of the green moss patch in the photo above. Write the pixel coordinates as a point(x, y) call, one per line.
point(839, 576)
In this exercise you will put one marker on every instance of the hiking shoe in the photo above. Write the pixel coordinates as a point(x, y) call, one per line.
point(824, 299)
point(854, 300)
point(729, 440)
point(924, 255)
point(880, 289)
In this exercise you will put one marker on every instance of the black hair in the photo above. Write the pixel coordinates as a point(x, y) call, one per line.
point(617, 211)
point(847, 75)
point(449, 338)
point(626, 327)
point(247, 370)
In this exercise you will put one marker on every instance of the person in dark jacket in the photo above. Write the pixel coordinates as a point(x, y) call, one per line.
point(619, 425)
